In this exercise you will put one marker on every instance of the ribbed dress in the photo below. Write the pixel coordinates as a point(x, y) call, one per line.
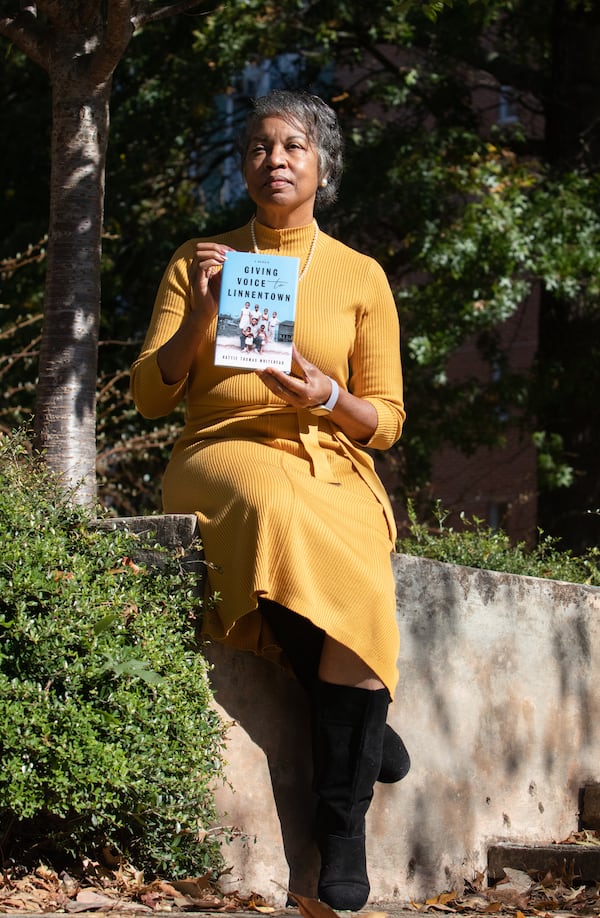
point(289, 507)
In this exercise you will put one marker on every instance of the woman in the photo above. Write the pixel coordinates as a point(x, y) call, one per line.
point(295, 524)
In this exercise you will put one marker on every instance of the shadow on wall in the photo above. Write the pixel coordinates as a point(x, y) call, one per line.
point(250, 691)
point(496, 672)
point(498, 703)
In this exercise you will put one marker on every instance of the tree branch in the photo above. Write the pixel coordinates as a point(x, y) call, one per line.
point(508, 72)
point(56, 11)
point(24, 31)
point(144, 15)
point(117, 35)
point(500, 67)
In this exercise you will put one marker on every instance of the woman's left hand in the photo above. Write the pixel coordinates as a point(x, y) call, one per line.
point(356, 417)
point(310, 388)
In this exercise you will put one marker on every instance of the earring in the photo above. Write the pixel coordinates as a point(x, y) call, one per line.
point(323, 183)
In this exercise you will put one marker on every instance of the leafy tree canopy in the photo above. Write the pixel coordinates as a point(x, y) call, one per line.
point(466, 216)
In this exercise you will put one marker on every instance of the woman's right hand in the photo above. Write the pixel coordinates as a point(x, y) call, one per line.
point(175, 356)
point(204, 276)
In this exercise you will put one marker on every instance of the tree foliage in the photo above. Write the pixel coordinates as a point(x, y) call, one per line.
point(467, 216)
point(79, 47)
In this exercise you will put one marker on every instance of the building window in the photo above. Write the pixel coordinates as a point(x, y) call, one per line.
point(508, 105)
point(256, 79)
point(497, 514)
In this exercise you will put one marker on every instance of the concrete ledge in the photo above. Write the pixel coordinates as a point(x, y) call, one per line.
point(576, 863)
point(177, 531)
point(498, 703)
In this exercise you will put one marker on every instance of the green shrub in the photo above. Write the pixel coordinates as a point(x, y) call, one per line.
point(477, 545)
point(108, 737)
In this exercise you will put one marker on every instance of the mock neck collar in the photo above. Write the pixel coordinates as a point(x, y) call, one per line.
point(294, 237)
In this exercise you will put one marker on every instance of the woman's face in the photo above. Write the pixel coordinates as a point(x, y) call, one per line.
point(282, 173)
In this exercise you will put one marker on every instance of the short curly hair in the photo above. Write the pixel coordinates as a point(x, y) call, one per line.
point(320, 123)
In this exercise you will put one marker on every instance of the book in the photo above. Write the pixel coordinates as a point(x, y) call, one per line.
point(257, 311)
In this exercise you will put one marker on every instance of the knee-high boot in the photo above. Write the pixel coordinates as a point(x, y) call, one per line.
point(348, 740)
point(302, 642)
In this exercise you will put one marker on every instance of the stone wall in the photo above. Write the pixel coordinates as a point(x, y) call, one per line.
point(498, 703)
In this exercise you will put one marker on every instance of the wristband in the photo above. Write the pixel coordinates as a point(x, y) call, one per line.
point(328, 406)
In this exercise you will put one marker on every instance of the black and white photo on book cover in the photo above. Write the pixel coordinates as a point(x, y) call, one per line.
point(257, 309)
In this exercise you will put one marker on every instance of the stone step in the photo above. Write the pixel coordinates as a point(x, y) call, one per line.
point(580, 861)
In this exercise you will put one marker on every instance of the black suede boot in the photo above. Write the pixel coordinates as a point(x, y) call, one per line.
point(301, 641)
point(395, 760)
point(348, 738)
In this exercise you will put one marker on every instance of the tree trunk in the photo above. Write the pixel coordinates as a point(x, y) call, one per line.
point(66, 395)
point(79, 44)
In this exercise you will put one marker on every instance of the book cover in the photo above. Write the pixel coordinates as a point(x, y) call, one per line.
point(257, 309)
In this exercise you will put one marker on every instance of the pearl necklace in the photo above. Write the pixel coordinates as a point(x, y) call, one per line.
point(311, 252)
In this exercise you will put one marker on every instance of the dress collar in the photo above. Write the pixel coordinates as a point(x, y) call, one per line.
point(291, 240)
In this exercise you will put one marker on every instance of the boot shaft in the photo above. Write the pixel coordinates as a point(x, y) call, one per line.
point(348, 747)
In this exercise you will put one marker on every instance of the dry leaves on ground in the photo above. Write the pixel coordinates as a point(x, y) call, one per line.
point(521, 894)
point(101, 888)
point(97, 888)
point(314, 908)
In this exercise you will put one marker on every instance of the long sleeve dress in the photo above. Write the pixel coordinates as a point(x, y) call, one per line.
point(289, 507)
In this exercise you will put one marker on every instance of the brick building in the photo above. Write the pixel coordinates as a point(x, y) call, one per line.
point(497, 485)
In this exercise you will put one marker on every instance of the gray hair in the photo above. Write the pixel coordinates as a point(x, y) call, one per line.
point(320, 123)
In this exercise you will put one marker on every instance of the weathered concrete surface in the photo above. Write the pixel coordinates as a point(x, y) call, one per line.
point(498, 703)
point(579, 861)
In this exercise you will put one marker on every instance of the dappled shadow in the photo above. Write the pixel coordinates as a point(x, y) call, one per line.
point(499, 705)
point(272, 709)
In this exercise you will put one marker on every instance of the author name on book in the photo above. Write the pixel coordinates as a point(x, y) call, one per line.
point(252, 360)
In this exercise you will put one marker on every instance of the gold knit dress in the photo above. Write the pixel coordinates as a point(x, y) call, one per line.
point(289, 507)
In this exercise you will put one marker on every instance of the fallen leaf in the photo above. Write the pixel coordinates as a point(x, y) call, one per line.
point(194, 887)
point(87, 899)
point(208, 903)
point(442, 899)
point(68, 884)
point(312, 908)
point(585, 837)
point(45, 873)
point(508, 895)
point(517, 879)
point(127, 563)
point(476, 902)
point(111, 858)
point(152, 900)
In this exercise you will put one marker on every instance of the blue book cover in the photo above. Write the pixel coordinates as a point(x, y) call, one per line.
point(257, 309)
